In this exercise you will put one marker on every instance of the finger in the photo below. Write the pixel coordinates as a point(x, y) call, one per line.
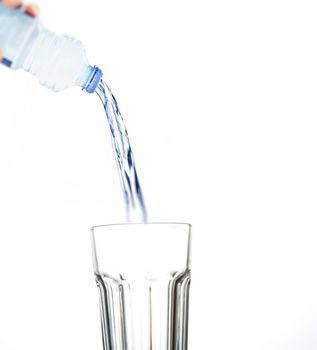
point(1, 55)
point(12, 3)
point(32, 9)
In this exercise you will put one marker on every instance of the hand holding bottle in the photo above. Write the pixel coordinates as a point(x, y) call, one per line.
point(31, 9)
point(58, 61)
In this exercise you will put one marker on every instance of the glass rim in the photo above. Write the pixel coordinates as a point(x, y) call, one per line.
point(165, 223)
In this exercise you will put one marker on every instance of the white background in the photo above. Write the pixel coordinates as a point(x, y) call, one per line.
point(219, 98)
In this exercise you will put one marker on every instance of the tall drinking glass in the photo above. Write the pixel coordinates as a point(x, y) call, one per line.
point(143, 276)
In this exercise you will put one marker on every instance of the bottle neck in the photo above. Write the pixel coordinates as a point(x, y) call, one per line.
point(90, 78)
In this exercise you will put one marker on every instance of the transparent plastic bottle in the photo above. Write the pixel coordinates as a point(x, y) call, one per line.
point(58, 61)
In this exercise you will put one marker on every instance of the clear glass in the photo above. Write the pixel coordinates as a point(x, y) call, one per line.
point(143, 277)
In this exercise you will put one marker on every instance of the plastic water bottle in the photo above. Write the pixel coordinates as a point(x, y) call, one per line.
point(58, 61)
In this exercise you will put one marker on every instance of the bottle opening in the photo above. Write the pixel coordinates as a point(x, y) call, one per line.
point(93, 80)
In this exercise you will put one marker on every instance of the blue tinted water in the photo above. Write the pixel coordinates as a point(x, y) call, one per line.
point(134, 201)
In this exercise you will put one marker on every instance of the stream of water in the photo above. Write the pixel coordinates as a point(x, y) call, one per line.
point(132, 191)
